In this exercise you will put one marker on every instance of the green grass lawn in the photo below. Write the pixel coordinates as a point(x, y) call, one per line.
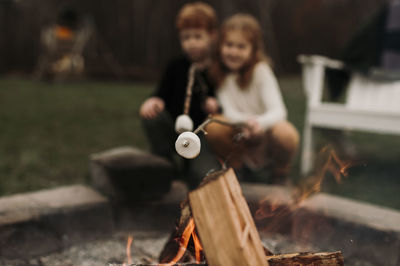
point(48, 131)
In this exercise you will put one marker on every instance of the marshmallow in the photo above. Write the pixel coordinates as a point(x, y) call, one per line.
point(188, 145)
point(183, 123)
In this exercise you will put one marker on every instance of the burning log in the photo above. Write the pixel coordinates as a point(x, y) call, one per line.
point(296, 259)
point(225, 225)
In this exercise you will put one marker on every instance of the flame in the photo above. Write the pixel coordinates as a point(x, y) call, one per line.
point(128, 251)
point(64, 33)
point(333, 164)
point(272, 207)
point(183, 243)
point(222, 162)
point(197, 246)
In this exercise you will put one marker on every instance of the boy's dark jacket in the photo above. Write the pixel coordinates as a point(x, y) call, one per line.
point(172, 89)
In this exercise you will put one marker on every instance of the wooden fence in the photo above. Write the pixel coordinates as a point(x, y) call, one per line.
point(140, 37)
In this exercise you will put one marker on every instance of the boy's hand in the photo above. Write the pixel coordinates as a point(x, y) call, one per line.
point(211, 105)
point(152, 107)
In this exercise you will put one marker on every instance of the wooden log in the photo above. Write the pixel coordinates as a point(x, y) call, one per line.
point(224, 223)
point(307, 259)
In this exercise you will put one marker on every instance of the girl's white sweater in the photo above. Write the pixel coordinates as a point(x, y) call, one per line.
point(261, 100)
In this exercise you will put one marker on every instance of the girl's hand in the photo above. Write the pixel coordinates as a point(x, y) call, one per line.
point(211, 105)
point(152, 107)
point(254, 128)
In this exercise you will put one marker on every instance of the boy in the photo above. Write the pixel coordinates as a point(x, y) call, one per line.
point(197, 26)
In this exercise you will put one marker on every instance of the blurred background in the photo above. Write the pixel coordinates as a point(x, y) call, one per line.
point(57, 110)
point(134, 39)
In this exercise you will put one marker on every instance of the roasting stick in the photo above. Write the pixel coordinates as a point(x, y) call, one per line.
point(209, 120)
point(189, 89)
point(184, 122)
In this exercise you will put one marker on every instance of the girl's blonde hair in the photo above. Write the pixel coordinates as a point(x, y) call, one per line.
point(252, 31)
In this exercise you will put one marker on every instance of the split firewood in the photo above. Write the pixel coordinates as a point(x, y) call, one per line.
point(307, 259)
point(173, 244)
point(224, 223)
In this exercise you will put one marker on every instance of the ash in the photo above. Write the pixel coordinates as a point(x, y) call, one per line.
point(145, 249)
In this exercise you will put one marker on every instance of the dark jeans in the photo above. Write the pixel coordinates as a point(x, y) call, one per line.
point(161, 135)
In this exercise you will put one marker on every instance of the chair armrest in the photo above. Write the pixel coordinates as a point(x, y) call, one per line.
point(313, 72)
point(320, 60)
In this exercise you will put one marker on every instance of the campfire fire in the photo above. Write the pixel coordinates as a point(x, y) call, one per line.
point(188, 233)
point(184, 241)
point(268, 209)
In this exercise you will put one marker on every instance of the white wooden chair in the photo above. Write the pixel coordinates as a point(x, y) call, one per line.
point(370, 105)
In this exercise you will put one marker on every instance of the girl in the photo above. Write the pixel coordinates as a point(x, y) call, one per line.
point(249, 93)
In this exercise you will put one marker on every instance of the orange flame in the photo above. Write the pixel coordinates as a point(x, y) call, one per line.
point(333, 165)
point(197, 246)
point(184, 241)
point(128, 251)
point(64, 33)
point(272, 207)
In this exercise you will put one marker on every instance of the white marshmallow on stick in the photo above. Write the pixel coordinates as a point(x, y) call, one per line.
point(183, 123)
point(188, 145)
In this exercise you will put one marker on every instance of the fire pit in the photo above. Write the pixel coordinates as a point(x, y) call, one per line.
point(321, 223)
point(151, 223)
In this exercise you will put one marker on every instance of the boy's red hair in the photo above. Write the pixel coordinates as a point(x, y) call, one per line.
point(197, 15)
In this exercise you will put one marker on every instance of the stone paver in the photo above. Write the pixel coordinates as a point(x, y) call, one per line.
point(128, 173)
point(36, 223)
